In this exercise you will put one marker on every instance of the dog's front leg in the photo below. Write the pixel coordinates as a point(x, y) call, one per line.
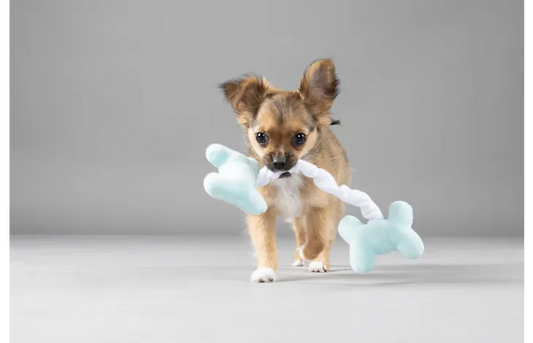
point(319, 223)
point(262, 229)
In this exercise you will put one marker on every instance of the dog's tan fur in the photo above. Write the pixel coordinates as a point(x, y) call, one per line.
point(281, 114)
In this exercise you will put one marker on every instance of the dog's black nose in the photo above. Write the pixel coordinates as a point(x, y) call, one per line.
point(280, 163)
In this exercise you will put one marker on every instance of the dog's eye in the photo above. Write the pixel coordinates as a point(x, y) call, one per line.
point(262, 138)
point(298, 139)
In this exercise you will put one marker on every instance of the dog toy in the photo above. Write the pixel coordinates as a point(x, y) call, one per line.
point(239, 177)
point(380, 236)
point(235, 182)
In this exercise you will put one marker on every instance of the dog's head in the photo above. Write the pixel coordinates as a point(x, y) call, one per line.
point(283, 126)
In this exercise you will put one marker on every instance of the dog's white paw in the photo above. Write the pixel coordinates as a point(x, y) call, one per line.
point(318, 267)
point(262, 275)
point(299, 262)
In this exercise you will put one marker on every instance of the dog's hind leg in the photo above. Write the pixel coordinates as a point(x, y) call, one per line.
point(300, 232)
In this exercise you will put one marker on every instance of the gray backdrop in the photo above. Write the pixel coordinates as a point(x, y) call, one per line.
point(114, 102)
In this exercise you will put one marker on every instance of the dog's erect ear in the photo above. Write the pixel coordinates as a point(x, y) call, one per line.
point(318, 88)
point(245, 96)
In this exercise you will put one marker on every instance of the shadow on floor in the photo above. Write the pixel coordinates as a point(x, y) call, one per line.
point(425, 274)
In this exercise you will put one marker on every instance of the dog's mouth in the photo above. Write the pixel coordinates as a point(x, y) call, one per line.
point(285, 175)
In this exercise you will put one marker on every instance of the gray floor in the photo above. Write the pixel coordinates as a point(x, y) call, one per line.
point(172, 289)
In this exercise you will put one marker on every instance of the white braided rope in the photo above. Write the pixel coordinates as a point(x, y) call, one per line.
point(325, 181)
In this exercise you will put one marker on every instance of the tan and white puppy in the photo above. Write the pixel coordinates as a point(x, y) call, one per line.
point(282, 127)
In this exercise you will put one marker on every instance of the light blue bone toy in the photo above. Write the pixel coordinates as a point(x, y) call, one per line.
point(235, 182)
point(239, 177)
point(380, 236)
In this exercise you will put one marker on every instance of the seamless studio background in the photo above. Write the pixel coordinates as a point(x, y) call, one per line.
point(114, 102)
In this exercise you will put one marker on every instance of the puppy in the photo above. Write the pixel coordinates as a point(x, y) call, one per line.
point(282, 127)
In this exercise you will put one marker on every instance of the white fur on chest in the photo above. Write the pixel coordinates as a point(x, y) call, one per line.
point(288, 198)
